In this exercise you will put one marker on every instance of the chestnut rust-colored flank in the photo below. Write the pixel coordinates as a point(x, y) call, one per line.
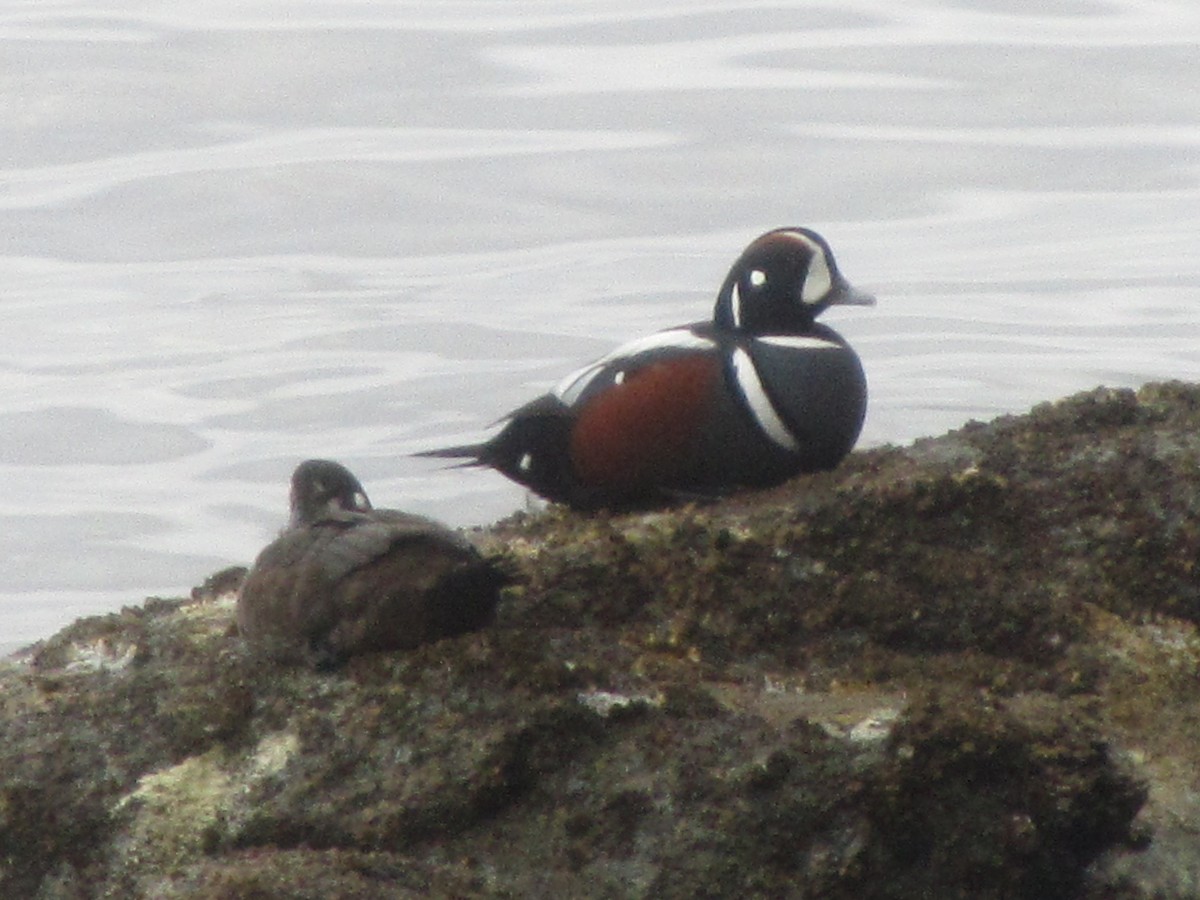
point(637, 433)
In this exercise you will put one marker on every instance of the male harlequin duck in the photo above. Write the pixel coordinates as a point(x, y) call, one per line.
point(344, 578)
point(749, 399)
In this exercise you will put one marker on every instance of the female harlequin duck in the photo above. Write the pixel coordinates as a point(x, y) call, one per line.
point(344, 578)
point(749, 399)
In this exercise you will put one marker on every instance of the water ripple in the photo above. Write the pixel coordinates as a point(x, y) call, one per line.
point(51, 185)
point(267, 230)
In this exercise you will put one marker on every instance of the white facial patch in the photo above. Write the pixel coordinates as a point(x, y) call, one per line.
point(819, 280)
point(759, 403)
point(525, 463)
point(361, 502)
point(758, 278)
point(735, 305)
point(572, 387)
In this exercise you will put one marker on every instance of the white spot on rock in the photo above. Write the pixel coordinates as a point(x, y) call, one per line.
point(875, 727)
point(604, 703)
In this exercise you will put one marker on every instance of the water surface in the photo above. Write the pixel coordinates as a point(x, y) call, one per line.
point(235, 235)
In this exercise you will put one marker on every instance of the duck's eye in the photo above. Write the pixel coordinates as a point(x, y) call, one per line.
point(757, 278)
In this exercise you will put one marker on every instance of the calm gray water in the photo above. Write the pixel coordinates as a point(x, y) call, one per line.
point(238, 234)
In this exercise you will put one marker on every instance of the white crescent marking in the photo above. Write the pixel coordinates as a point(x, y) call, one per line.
point(798, 342)
point(759, 403)
point(572, 387)
point(818, 281)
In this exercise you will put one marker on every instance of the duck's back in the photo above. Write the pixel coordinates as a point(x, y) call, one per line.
point(359, 582)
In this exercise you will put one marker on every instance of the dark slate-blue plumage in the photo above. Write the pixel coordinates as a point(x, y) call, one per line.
point(757, 395)
point(344, 578)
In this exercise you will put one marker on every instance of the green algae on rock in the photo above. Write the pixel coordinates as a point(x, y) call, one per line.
point(964, 668)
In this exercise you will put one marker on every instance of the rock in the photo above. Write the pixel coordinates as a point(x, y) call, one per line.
point(963, 668)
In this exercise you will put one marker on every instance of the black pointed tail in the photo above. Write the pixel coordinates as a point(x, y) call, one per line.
point(533, 449)
point(472, 453)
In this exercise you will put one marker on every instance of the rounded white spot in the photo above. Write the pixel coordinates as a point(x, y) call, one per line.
point(619, 378)
point(525, 463)
point(758, 277)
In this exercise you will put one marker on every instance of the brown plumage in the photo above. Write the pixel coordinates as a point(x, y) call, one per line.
point(345, 579)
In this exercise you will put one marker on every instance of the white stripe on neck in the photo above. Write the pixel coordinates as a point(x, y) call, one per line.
point(735, 305)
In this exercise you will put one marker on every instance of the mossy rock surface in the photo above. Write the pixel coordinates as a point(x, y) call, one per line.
point(964, 668)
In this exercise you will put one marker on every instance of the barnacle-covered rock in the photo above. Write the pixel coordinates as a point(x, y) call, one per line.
point(968, 667)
